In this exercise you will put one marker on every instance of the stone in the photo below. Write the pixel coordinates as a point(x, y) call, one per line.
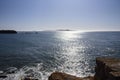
point(114, 76)
point(11, 70)
point(107, 68)
point(3, 76)
point(64, 76)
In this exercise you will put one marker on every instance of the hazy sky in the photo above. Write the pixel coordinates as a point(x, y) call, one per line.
point(59, 14)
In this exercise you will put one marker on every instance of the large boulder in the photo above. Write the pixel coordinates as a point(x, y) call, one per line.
point(64, 76)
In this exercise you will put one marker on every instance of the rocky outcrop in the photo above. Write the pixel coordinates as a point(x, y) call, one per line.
point(64, 76)
point(107, 69)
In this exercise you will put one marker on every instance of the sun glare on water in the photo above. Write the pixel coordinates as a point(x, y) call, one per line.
point(68, 35)
point(72, 52)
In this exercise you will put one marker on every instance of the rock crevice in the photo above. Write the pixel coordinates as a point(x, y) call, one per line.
point(107, 69)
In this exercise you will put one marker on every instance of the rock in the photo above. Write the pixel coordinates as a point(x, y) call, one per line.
point(114, 75)
point(107, 69)
point(64, 76)
point(3, 76)
point(29, 77)
point(11, 70)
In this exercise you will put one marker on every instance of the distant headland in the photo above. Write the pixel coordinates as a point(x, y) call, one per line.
point(8, 32)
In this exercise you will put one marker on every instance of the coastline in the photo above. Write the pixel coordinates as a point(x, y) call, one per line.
point(106, 69)
point(99, 46)
point(8, 32)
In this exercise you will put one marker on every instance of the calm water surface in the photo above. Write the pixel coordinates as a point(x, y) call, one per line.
point(43, 52)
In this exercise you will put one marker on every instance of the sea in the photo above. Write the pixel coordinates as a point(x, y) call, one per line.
point(40, 53)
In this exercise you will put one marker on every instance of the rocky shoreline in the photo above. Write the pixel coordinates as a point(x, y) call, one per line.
point(106, 69)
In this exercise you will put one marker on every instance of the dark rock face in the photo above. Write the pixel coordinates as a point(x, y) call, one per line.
point(107, 69)
point(7, 32)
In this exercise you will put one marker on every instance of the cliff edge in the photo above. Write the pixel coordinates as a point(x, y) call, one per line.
point(107, 69)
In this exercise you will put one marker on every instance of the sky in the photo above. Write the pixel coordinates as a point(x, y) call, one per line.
point(35, 15)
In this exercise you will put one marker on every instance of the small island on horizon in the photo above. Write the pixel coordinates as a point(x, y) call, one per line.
point(64, 30)
point(8, 32)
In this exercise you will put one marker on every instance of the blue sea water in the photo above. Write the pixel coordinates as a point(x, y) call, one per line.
point(44, 52)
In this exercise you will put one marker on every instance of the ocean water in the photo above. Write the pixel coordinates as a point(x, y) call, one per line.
point(40, 53)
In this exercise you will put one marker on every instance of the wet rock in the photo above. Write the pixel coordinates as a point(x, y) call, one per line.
point(64, 76)
point(3, 76)
point(107, 69)
point(88, 78)
point(29, 77)
point(114, 75)
point(11, 70)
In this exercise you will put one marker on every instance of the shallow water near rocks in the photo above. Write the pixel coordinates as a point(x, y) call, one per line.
point(39, 54)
